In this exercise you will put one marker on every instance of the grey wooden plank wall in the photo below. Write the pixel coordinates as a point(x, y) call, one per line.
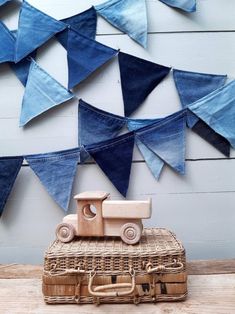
point(198, 207)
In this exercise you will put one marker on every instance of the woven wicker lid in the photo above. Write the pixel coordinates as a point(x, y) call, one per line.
point(154, 242)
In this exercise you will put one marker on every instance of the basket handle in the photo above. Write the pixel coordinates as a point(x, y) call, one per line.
point(171, 267)
point(98, 291)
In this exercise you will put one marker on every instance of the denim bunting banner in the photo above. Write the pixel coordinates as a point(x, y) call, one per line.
point(114, 157)
point(127, 15)
point(154, 163)
point(96, 125)
point(138, 78)
point(42, 92)
point(185, 5)
point(9, 169)
point(218, 111)
point(85, 56)
point(84, 22)
point(7, 44)
point(56, 171)
point(34, 29)
point(166, 138)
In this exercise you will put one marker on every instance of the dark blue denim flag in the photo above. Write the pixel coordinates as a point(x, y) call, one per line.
point(192, 86)
point(56, 171)
point(84, 22)
point(4, 1)
point(42, 92)
point(114, 157)
point(218, 111)
point(209, 135)
point(154, 163)
point(166, 138)
point(138, 78)
point(96, 125)
point(7, 43)
point(85, 56)
point(34, 29)
point(21, 69)
point(185, 5)
point(9, 168)
point(127, 15)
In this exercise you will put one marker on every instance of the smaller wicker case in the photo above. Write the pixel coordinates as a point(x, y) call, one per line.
point(106, 270)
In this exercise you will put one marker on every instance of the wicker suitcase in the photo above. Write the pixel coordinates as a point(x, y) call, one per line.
point(106, 270)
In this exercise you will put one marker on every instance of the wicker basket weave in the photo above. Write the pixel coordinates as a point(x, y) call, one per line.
point(94, 270)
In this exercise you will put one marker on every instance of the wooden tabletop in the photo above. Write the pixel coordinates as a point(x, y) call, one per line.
point(211, 287)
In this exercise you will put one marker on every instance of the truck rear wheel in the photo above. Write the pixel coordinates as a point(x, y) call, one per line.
point(65, 232)
point(130, 233)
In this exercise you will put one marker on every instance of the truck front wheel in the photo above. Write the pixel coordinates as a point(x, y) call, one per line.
point(65, 232)
point(130, 233)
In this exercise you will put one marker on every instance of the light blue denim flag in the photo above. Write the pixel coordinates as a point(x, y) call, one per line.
point(218, 111)
point(154, 163)
point(185, 5)
point(166, 138)
point(138, 78)
point(84, 22)
point(192, 86)
point(34, 29)
point(127, 15)
point(7, 43)
point(9, 169)
point(56, 171)
point(42, 92)
point(85, 56)
point(96, 125)
point(114, 157)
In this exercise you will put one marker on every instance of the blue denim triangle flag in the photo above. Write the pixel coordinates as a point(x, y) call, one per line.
point(42, 92)
point(138, 78)
point(192, 86)
point(127, 15)
point(218, 111)
point(7, 44)
point(96, 125)
point(34, 29)
point(114, 157)
point(9, 168)
point(84, 22)
point(4, 1)
point(154, 163)
point(85, 56)
point(166, 138)
point(185, 5)
point(56, 171)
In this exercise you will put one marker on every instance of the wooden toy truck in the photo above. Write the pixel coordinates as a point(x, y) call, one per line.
point(110, 218)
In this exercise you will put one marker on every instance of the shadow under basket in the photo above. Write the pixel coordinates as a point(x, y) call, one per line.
point(106, 270)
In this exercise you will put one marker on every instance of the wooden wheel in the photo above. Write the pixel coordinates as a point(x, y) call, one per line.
point(65, 232)
point(130, 233)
